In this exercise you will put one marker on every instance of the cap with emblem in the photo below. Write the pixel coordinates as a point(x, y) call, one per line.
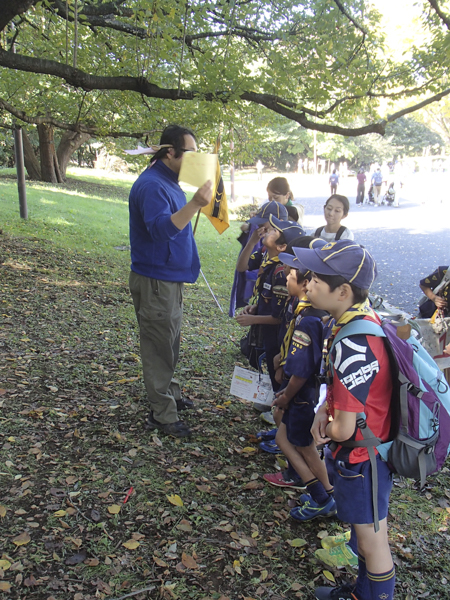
point(291, 260)
point(288, 229)
point(344, 257)
point(269, 208)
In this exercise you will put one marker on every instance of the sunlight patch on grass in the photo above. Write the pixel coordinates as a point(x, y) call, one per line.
point(59, 221)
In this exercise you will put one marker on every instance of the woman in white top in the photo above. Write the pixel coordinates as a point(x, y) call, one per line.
point(335, 209)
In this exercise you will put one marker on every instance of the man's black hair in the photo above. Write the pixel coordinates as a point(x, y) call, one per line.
point(173, 135)
point(334, 281)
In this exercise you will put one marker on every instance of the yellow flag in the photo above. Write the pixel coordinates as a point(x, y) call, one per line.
point(217, 209)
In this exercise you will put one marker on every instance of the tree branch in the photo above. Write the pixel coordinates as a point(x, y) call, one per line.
point(12, 8)
point(80, 79)
point(444, 18)
point(411, 109)
point(349, 17)
point(76, 127)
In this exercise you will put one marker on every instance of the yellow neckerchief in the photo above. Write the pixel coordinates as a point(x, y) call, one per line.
point(302, 304)
point(266, 262)
point(357, 310)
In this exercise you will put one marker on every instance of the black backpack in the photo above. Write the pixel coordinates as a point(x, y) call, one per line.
point(339, 232)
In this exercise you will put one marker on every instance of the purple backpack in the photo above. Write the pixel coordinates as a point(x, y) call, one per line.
point(420, 408)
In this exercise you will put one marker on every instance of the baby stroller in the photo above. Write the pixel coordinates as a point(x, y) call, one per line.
point(389, 197)
point(370, 196)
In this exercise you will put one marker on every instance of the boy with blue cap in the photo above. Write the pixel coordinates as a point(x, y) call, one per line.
point(244, 280)
point(297, 397)
point(360, 381)
point(270, 293)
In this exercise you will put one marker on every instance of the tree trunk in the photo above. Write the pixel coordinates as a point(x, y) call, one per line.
point(49, 159)
point(31, 162)
point(70, 142)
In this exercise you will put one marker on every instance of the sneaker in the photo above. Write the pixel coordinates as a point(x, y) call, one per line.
point(283, 480)
point(184, 404)
point(259, 407)
point(338, 556)
point(267, 417)
point(311, 510)
point(270, 447)
point(343, 592)
point(177, 429)
point(304, 498)
point(267, 436)
point(335, 540)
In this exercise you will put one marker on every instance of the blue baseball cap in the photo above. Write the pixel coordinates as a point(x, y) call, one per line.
point(344, 257)
point(292, 261)
point(289, 229)
point(269, 208)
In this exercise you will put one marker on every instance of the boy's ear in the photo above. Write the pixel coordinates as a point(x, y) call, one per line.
point(345, 293)
point(281, 248)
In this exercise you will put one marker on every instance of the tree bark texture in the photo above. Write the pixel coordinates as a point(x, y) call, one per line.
point(70, 142)
point(31, 162)
point(49, 161)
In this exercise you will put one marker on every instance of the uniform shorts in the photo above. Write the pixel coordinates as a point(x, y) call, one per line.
point(298, 420)
point(353, 490)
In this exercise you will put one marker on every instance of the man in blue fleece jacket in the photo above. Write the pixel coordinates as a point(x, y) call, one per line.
point(163, 257)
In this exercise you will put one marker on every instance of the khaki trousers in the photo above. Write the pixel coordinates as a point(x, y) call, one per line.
point(159, 311)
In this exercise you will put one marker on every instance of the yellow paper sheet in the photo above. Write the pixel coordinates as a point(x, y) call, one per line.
point(197, 168)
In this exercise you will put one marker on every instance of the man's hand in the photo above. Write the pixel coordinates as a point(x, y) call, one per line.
point(201, 198)
point(319, 425)
point(203, 195)
point(281, 400)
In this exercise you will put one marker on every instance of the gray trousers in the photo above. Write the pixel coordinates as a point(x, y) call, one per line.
point(159, 311)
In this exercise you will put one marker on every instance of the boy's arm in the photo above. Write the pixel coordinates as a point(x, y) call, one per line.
point(293, 387)
point(342, 427)
point(319, 425)
point(246, 320)
point(244, 256)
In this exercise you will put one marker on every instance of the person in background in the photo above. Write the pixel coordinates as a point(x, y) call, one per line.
point(335, 209)
point(361, 188)
point(334, 181)
point(377, 181)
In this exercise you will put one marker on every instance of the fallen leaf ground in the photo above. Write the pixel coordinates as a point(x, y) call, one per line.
point(92, 506)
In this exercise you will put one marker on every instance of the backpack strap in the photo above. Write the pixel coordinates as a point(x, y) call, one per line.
point(339, 232)
point(318, 231)
point(370, 441)
point(359, 327)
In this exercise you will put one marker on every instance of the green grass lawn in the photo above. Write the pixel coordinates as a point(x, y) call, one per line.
point(200, 523)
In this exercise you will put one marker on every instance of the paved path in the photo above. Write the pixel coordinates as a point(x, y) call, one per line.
point(408, 242)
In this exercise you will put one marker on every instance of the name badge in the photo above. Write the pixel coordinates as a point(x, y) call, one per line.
point(267, 286)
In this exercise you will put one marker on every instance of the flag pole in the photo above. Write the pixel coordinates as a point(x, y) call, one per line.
point(212, 293)
point(196, 221)
point(203, 275)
